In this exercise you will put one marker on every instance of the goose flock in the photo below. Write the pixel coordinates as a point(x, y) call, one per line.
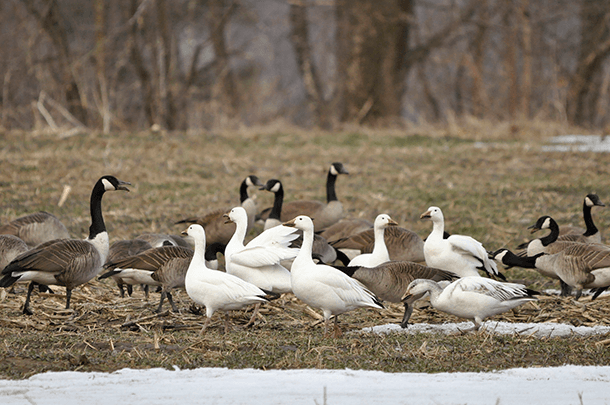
point(310, 249)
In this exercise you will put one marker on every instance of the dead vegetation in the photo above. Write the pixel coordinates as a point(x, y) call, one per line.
point(491, 191)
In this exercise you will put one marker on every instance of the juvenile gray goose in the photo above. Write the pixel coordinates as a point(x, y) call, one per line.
point(163, 267)
point(122, 249)
point(322, 250)
point(36, 228)
point(581, 265)
point(66, 262)
point(218, 234)
point(325, 214)
point(389, 281)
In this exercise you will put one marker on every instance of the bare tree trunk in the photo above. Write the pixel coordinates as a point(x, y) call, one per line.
point(51, 22)
point(141, 71)
point(167, 108)
point(478, 54)
point(100, 61)
point(594, 49)
point(309, 74)
point(227, 89)
point(510, 58)
point(526, 41)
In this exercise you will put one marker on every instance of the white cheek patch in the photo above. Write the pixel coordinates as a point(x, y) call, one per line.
point(107, 185)
point(276, 188)
point(546, 224)
point(249, 182)
point(588, 202)
point(333, 171)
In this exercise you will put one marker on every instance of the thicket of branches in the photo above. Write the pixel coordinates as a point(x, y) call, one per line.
point(198, 64)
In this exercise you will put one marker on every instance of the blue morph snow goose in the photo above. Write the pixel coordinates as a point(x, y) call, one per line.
point(216, 290)
point(66, 262)
point(474, 298)
point(460, 254)
point(322, 286)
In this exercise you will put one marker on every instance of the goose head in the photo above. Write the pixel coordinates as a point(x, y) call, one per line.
point(111, 183)
point(383, 221)
point(433, 213)
point(544, 222)
point(236, 215)
point(302, 222)
point(593, 199)
point(337, 168)
point(499, 255)
point(252, 181)
point(273, 185)
point(417, 287)
point(196, 232)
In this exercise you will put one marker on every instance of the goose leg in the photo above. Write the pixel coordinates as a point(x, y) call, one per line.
point(171, 301)
point(254, 314)
point(337, 330)
point(566, 290)
point(205, 325)
point(158, 310)
point(68, 296)
point(26, 305)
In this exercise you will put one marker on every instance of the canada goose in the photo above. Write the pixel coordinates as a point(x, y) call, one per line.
point(322, 250)
point(325, 214)
point(460, 254)
point(36, 228)
point(389, 281)
point(322, 286)
point(122, 249)
point(380, 252)
point(164, 266)
point(214, 289)
point(581, 265)
point(10, 247)
point(475, 298)
point(217, 232)
point(345, 227)
point(402, 244)
point(66, 262)
point(577, 234)
point(258, 262)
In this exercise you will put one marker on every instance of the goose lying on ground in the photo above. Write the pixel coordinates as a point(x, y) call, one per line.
point(66, 262)
point(322, 286)
point(474, 298)
point(402, 244)
point(389, 281)
point(36, 228)
point(460, 254)
point(325, 214)
point(214, 289)
point(322, 250)
point(163, 267)
point(581, 265)
point(380, 251)
point(217, 232)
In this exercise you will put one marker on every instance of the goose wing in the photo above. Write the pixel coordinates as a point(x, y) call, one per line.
point(152, 259)
point(495, 289)
point(52, 257)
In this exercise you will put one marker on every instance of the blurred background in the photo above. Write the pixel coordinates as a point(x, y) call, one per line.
point(202, 64)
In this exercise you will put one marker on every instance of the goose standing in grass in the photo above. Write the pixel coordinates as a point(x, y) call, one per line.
point(322, 286)
point(590, 234)
point(258, 262)
point(581, 265)
point(322, 250)
point(474, 298)
point(218, 233)
point(380, 251)
point(163, 267)
point(325, 214)
point(460, 254)
point(216, 290)
point(66, 262)
point(120, 250)
point(36, 228)
point(389, 281)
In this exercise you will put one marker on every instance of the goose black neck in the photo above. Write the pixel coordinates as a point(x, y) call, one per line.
point(586, 213)
point(97, 220)
point(243, 191)
point(552, 236)
point(526, 262)
point(276, 211)
point(331, 195)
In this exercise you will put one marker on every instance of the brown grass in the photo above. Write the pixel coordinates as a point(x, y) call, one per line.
point(491, 190)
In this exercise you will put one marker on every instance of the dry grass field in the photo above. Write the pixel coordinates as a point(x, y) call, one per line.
point(492, 182)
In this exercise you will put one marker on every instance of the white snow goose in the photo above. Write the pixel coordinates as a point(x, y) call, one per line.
point(380, 253)
point(216, 290)
point(460, 254)
point(322, 286)
point(475, 298)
